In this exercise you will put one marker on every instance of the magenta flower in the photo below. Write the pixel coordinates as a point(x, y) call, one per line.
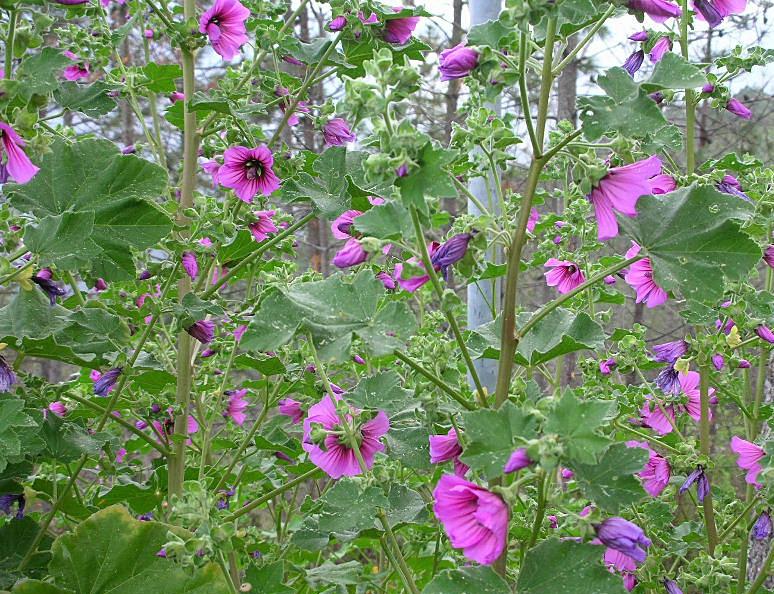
point(662, 184)
point(738, 108)
point(176, 96)
point(58, 408)
point(656, 473)
point(387, 280)
point(332, 455)
point(248, 171)
point(414, 283)
point(371, 20)
point(337, 132)
point(714, 11)
point(534, 217)
point(44, 280)
point(768, 255)
point(75, 72)
point(640, 278)
point(120, 455)
point(474, 519)
point(762, 528)
point(624, 537)
point(107, 381)
point(617, 562)
point(662, 46)
point(457, 62)
point(619, 191)
point(606, 367)
point(148, 33)
point(190, 264)
point(445, 448)
point(765, 333)
point(639, 36)
point(689, 385)
point(237, 404)
point(239, 332)
point(338, 23)
point(224, 24)
point(350, 255)
point(718, 361)
point(16, 162)
point(750, 456)
point(263, 226)
point(634, 62)
point(203, 331)
point(341, 227)
point(7, 376)
point(399, 30)
point(517, 461)
point(564, 275)
point(658, 10)
point(212, 167)
point(291, 408)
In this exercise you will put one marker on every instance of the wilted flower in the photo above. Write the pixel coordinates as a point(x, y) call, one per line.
point(517, 461)
point(625, 537)
point(474, 519)
point(662, 46)
point(445, 448)
point(640, 278)
point(671, 587)
point(765, 333)
point(634, 62)
point(639, 36)
point(669, 352)
point(7, 500)
point(338, 23)
point(702, 483)
point(261, 228)
point(224, 24)
point(291, 408)
point(7, 376)
point(399, 30)
point(619, 191)
point(768, 255)
point(738, 108)
point(107, 381)
point(714, 11)
point(120, 455)
point(329, 452)
point(100, 285)
point(564, 275)
point(248, 171)
point(415, 282)
point(616, 561)
point(606, 367)
point(730, 185)
point(225, 498)
point(44, 280)
point(457, 62)
point(190, 264)
point(658, 10)
point(351, 254)
point(450, 252)
point(387, 280)
point(371, 20)
point(750, 456)
point(203, 331)
point(337, 132)
point(237, 403)
point(718, 361)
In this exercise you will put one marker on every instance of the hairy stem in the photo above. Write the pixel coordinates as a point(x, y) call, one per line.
point(704, 446)
point(457, 396)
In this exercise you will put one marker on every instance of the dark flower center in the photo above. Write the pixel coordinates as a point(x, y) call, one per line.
point(253, 169)
point(571, 269)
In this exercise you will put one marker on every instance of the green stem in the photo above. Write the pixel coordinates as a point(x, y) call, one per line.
point(9, 41)
point(457, 396)
point(472, 197)
point(730, 528)
point(9, 277)
point(247, 260)
point(68, 276)
point(524, 93)
point(164, 18)
point(756, 585)
point(647, 437)
point(430, 269)
point(271, 495)
point(583, 42)
point(690, 102)
point(541, 510)
point(704, 446)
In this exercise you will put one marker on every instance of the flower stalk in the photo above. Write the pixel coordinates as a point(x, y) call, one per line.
point(704, 446)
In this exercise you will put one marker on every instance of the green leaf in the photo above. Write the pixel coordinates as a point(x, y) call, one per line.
point(268, 579)
point(626, 110)
point(410, 446)
point(493, 435)
point(18, 432)
point(428, 179)
point(489, 33)
point(674, 72)
point(39, 74)
point(559, 333)
point(16, 536)
point(469, 580)
point(332, 310)
point(91, 100)
point(92, 180)
point(349, 508)
point(161, 78)
point(341, 574)
point(112, 552)
point(328, 190)
point(610, 483)
point(67, 441)
point(567, 567)
point(30, 315)
point(139, 498)
point(387, 221)
point(404, 505)
point(383, 392)
point(576, 423)
point(153, 381)
point(694, 240)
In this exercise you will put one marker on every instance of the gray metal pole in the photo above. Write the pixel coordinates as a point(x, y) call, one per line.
point(482, 294)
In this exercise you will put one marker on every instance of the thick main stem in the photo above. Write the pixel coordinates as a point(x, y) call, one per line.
point(9, 41)
point(690, 101)
point(704, 446)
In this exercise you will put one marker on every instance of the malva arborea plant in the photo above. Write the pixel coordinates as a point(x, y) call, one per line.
point(361, 297)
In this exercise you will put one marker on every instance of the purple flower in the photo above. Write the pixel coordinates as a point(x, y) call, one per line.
point(399, 30)
point(351, 254)
point(148, 33)
point(669, 352)
point(338, 23)
point(619, 191)
point(337, 132)
point(714, 11)
point(144, 275)
point(162, 553)
point(263, 226)
point(744, 364)
point(564, 275)
point(44, 280)
point(718, 361)
point(100, 285)
point(7, 376)
point(658, 97)
point(282, 456)
point(518, 460)
point(291, 60)
point(668, 380)
point(623, 564)
point(474, 519)
point(58, 408)
point(730, 185)
point(190, 264)
point(457, 62)
point(249, 171)
point(203, 331)
point(237, 403)
point(658, 10)
point(625, 537)
point(609, 279)
point(765, 333)
point(634, 62)
point(738, 108)
point(662, 46)
point(329, 453)
point(358, 359)
point(107, 381)
point(224, 24)
point(640, 278)
point(702, 483)
point(387, 280)
point(402, 171)
point(371, 20)
point(7, 500)
point(606, 367)
point(291, 408)
point(762, 528)
point(639, 36)
point(671, 587)
point(146, 517)
point(768, 255)
point(451, 252)
point(129, 150)
point(534, 217)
